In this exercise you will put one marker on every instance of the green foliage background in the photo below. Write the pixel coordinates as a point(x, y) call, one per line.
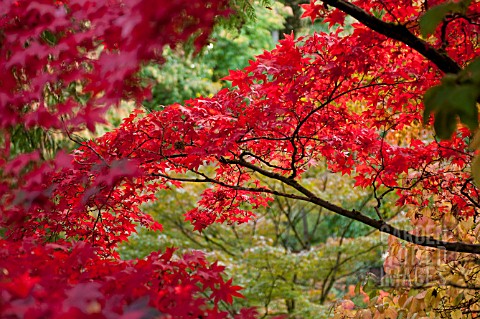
point(292, 259)
point(187, 75)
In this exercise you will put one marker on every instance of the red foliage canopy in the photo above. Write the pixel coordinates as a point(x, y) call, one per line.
point(352, 98)
point(71, 281)
point(68, 61)
point(64, 64)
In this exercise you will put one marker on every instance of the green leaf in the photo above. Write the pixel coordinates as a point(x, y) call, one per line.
point(472, 71)
point(476, 170)
point(432, 18)
point(433, 101)
point(445, 124)
point(357, 288)
point(475, 143)
point(463, 99)
point(49, 37)
point(458, 299)
point(463, 4)
point(450, 100)
point(370, 287)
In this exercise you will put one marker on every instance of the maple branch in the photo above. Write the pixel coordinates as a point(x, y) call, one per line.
point(329, 281)
point(339, 263)
point(397, 32)
point(465, 193)
point(292, 224)
point(207, 179)
point(380, 225)
point(467, 286)
point(245, 153)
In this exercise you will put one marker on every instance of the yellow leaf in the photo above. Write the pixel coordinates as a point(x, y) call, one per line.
point(391, 313)
point(457, 314)
point(431, 297)
point(402, 300)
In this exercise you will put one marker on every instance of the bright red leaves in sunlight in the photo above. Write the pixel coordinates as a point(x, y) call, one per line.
point(350, 99)
point(312, 10)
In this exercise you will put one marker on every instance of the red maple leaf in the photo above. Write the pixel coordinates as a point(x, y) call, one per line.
point(312, 10)
point(226, 292)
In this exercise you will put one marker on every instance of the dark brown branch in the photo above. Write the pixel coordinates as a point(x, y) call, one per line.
point(380, 225)
point(329, 281)
point(468, 287)
point(397, 32)
point(234, 187)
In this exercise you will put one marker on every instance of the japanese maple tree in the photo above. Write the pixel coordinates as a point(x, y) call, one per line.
point(354, 99)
